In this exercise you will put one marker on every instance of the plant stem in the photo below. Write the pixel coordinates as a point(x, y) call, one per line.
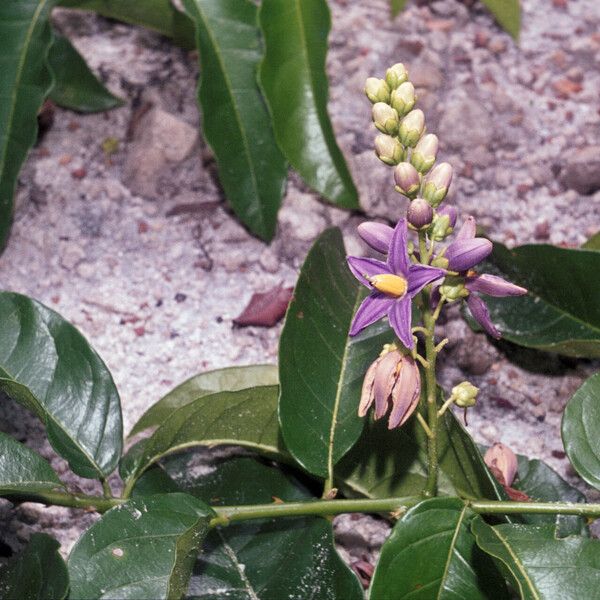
point(230, 514)
point(432, 414)
point(429, 320)
point(106, 488)
point(95, 503)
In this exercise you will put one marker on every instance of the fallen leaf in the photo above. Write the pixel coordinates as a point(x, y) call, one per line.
point(266, 308)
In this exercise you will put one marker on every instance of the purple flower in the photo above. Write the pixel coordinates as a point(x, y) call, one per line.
point(376, 235)
point(466, 250)
point(492, 286)
point(394, 284)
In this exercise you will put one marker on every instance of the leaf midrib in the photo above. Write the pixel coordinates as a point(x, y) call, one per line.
point(16, 87)
point(450, 553)
point(236, 113)
point(518, 563)
point(338, 395)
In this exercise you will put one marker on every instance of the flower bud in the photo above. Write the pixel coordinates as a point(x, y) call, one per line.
point(453, 288)
point(403, 98)
point(443, 223)
point(424, 153)
point(452, 213)
point(407, 179)
point(412, 127)
point(377, 90)
point(392, 381)
point(396, 75)
point(465, 394)
point(437, 184)
point(376, 235)
point(389, 149)
point(385, 118)
point(419, 213)
point(502, 462)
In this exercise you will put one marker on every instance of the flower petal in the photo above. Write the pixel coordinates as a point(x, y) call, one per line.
point(398, 253)
point(376, 235)
point(481, 314)
point(374, 307)
point(366, 267)
point(421, 275)
point(406, 393)
point(367, 396)
point(494, 286)
point(468, 230)
point(463, 254)
point(400, 319)
point(384, 381)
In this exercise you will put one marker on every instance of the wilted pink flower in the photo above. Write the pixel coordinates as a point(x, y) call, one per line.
point(392, 380)
point(502, 462)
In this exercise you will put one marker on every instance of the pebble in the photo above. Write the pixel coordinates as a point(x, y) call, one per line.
point(582, 170)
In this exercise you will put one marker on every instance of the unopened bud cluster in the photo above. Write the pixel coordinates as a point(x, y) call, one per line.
point(404, 144)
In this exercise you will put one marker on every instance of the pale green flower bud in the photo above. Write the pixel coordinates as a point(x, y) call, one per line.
point(377, 90)
point(407, 179)
point(453, 288)
point(419, 213)
point(437, 184)
point(412, 127)
point(424, 153)
point(385, 118)
point(389, 149)
point(396, 75)
point(403, 98)
point(465, 394)
point(440, 228)
point(440, 262)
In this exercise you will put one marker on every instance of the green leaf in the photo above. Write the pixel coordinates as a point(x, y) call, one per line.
point(543, 484)
point(236, 121)
point(23, 470)
point(243, 418)
point(593, 243)
point(75, 86)
point(431, 553)
point(145, 548)
point(38, 573)
point(581, 430)
point(397, 6)
point(47, 366)
point(461, 461)
point(559, 313)
point(268, 559)
point(541, 566)
point(507, 13)
point(25, 79)
point(230, 379)
point(159, 15)
point(294, 80)
point(321, 368)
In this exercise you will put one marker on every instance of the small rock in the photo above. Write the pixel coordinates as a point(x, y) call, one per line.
point(426, 75)
point(582, 170)
point(542, 231)
point(475, 355)
point(565, 88)
point(269, 261)
point(72, 255)
point(160, 139)
point(466, 123)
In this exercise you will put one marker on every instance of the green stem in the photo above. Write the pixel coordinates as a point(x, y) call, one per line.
point(231, 514)
point(95, 503)
point(106, 488)
point(429, 320)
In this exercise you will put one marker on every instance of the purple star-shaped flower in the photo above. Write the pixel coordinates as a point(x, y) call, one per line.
point(394, 284)
point(463, 254)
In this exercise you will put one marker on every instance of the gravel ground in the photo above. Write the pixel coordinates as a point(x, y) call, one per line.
point(139, 250)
